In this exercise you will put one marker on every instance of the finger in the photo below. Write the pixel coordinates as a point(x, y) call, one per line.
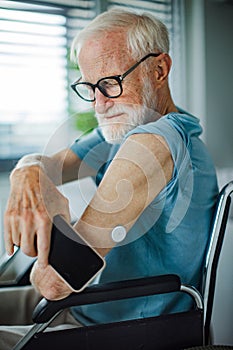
point(63, 208)
point(9, 246)
point(67, 216)
point(8, 234)
point(43, 242)
point(28, 234)
point(15, 233)
point(27, 242)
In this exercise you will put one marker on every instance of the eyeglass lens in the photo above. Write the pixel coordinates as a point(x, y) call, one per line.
point(110, 87)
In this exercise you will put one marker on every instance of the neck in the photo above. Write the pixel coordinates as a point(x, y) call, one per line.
point(165, 102)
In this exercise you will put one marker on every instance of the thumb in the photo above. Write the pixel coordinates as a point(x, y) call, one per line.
point(66, 215)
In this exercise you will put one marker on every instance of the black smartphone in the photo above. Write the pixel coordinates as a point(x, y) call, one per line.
point(76, 262)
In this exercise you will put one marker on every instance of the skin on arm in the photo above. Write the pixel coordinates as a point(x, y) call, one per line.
point(139, 171)
point(66, 166)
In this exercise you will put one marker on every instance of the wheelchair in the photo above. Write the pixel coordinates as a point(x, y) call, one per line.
point(176, 331)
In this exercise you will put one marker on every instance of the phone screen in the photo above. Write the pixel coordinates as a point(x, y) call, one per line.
point(73, 259)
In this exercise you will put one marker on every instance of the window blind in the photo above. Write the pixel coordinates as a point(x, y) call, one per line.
point(161, 9)
point(34, 41)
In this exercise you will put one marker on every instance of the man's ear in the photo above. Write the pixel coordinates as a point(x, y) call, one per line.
point(163, 67)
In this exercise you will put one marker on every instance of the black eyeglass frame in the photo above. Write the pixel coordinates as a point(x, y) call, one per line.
point(118, 78)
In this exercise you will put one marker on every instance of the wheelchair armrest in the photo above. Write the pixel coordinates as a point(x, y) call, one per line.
point(6, 260)
point(98, 293)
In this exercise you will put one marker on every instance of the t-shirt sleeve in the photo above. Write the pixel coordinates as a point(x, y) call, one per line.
point(177, 131)
point(175, 138)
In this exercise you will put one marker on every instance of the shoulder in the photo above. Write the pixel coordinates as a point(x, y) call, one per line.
point(170, 125)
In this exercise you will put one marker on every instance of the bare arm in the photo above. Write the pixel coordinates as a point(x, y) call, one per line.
point(65, 167)
point(61, 167)
point(139, 171)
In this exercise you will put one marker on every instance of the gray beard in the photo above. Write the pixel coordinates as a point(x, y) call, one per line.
point(115, 130)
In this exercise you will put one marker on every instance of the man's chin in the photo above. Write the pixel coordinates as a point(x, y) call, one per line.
point(112, 139)
point(114, 135)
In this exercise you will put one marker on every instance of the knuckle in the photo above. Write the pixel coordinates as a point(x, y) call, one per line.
point(26, 216)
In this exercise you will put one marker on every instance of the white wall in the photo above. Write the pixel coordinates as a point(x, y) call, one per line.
point(194, 73)
point(209, 73)
point(219, 80)
point(209, 83)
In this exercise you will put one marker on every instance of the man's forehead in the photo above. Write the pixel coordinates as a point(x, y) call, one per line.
point(99, 52)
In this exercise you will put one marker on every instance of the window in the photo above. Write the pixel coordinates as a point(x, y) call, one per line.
point(33, 77)
point(34, 42)
point(35, 37)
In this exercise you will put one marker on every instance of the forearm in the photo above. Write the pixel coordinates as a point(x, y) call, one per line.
point(46, 164)
point(60, 167)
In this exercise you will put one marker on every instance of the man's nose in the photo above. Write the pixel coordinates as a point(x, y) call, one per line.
point(102, 103)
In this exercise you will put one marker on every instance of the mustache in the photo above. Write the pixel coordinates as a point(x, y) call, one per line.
point(117, 109)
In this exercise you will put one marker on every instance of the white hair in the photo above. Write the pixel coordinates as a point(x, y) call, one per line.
point(145, 33)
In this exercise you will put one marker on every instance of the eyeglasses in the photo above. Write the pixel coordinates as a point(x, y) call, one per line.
point(110, 87)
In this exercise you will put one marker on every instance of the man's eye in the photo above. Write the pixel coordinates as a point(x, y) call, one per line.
point(110, 84)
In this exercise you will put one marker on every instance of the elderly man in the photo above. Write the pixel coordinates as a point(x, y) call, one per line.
point(154, 175)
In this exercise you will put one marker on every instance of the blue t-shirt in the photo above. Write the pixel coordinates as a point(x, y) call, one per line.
point(171, 234)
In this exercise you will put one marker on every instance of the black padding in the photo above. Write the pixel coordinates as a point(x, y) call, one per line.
point(108, 292)
point(166, 332)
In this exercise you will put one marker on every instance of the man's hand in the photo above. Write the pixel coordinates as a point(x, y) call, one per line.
point(48, 283)
point(33, 202)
